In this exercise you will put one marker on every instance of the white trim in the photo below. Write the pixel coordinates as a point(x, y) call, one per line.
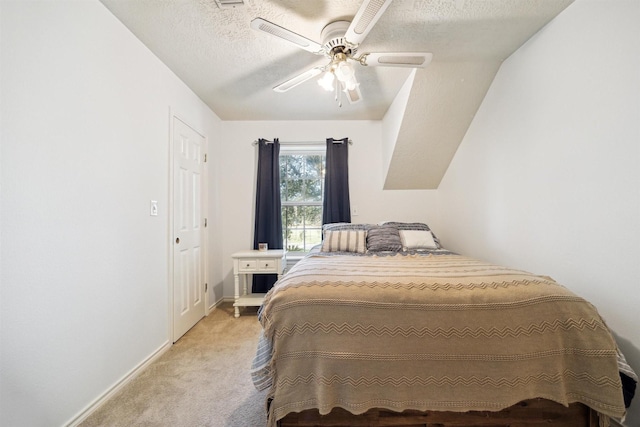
point(170, 228)
point(111, 391)
point(318, 150)
point(303, 204)
point(292, 151)
point(218, 304)
point(204, 201)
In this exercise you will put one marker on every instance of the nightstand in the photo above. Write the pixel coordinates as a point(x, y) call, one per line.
point(272, 261)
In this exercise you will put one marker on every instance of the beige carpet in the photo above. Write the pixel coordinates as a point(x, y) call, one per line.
point(203, 380)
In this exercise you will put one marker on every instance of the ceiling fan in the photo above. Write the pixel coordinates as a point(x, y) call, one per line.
point(340, 41)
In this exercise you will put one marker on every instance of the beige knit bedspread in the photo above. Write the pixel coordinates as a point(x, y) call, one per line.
point(432, 332)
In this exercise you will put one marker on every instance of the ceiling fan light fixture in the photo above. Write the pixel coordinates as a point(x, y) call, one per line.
point(344, 71)
point(340, 42)
point(350, 84)
point(327, 81)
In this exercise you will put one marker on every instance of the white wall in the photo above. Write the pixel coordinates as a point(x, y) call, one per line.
point(85, 147)
point(548, 176)
point(238, 176)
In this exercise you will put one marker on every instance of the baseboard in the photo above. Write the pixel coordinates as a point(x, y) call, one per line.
point(99, 401)
point(218, 304)
point(224, 300)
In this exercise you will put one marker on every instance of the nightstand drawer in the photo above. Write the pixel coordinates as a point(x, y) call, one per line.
point(267, 264)
point(248, 265)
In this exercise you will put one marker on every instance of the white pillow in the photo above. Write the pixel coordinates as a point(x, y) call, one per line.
point(417, 239)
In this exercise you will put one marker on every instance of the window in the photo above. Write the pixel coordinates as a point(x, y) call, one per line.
point(301, 193)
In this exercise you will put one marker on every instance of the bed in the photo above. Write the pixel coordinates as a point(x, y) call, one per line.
point(382, 326)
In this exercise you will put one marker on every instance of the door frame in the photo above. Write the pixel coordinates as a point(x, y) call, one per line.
point(205, 203)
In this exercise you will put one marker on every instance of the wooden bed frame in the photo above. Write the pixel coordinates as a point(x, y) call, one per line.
point(529, 413)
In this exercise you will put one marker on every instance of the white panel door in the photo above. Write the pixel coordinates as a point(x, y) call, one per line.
point(188, 228)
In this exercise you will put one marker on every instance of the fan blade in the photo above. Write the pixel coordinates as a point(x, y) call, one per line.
point(368, 14)
point(260, 24)
point(397, 59)
point(300, 78)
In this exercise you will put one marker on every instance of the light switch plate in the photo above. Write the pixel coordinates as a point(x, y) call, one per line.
point(154, 208)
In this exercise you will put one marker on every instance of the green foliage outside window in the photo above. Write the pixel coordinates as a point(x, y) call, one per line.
point(301, 191)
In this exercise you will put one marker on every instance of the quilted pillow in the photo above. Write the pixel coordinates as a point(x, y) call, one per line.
point(344, 226)
point(417, 239)
point(344, 241)
point(384, 238)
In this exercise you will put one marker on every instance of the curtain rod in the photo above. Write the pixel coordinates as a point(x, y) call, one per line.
point(336, 141)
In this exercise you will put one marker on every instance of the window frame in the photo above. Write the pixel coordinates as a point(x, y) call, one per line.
point(305, 150)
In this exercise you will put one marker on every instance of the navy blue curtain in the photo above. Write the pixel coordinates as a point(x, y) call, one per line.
point(336, 206)
point(268, 225)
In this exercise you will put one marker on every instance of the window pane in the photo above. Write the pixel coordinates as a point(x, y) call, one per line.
point(314, 167)
point(296, 241)
point(283, 165)
point(313, 190)
point(312, 237)
point(313, 216)
point(296, 217)
point(295, 166)
point(287, 212)
point(294, 191)
point(283, 175)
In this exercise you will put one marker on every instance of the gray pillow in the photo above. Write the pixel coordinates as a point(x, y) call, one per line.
point(384, 238)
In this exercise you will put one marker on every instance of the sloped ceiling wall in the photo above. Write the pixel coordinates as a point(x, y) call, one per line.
point(439, 109)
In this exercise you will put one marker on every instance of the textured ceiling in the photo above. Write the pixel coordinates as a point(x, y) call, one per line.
point(233, 68)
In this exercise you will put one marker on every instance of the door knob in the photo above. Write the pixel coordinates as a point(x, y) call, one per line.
point(177, 240)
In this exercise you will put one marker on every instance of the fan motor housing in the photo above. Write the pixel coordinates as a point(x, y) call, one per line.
point(333, 40)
